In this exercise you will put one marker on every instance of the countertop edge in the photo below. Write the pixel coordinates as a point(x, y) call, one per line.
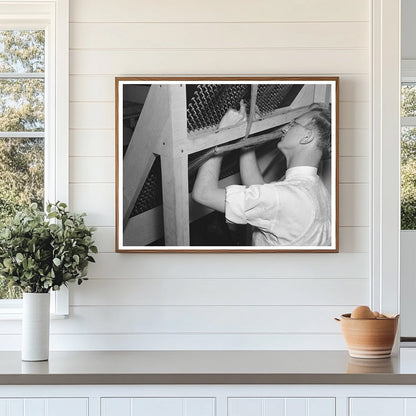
point(129, 379)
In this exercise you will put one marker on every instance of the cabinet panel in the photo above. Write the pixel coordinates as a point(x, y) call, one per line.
point(199, 407)
point(245, 407)
point(155, 406)
point(11, 407)
point(44, 407)
point(15, 407)
point(296, 407)
point(410, 407)
point(113, 406)
point(67, 407)
point(3, 407)
point(34, 407)
point(321, 407)
point(377, 407)
point(275, 407)
point(281, 407)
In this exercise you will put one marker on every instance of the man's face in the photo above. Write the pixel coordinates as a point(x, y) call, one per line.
point(295, 131)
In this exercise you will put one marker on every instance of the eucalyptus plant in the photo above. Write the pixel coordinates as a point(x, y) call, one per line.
point(42, 251)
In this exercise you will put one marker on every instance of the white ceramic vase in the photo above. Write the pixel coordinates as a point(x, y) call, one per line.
point(35, 326)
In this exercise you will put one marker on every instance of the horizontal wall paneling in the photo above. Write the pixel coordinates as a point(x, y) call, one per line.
point(217, 292)
point(294, 61)
point(218, 35)
point(218, 11)
point(302, 265)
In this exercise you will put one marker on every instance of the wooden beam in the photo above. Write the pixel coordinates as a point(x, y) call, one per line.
point(143, 146)
point(201, 141)
point(175, 200)
point(174, 163)
point(144, 228)
point(305, 96)
point(322, 94)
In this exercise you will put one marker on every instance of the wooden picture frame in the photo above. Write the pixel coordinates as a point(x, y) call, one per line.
point(168, 127)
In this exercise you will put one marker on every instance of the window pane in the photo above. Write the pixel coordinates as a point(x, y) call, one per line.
point(21, 173)
point(22, 105)
point(9, 292)
point(22, 51)
point(408, 106)
point(408, 178)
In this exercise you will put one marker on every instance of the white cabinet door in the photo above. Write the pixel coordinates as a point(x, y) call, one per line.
point(44, 407)
point(281, 406)
point(154, 406)
point(382, 406)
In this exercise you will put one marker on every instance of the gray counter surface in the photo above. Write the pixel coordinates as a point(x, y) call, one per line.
point(208, 367)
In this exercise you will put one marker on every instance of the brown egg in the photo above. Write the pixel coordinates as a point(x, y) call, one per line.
point(362, 312)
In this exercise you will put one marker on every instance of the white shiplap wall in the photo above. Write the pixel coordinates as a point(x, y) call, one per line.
point(214, 301)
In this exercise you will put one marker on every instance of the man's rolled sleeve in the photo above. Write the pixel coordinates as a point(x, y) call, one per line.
point(235, 209)
point(256, 205)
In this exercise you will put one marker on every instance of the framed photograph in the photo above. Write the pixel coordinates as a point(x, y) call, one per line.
point(227, 164)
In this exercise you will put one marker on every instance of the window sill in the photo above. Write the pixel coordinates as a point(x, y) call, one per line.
point(17, 316)
point(11, 309)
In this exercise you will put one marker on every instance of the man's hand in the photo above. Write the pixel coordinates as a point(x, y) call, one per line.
point(233, 117)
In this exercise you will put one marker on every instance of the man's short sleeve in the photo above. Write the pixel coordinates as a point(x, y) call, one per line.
point(256, 205)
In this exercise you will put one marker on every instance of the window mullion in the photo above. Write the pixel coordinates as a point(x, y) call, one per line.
point(22, 75)
point(22, 134)
point(408, 121)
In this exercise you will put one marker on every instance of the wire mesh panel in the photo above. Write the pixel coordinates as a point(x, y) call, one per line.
point(151, 194)
point(207, 103)
point(270, 97)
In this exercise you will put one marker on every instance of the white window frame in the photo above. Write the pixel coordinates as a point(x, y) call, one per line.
point(53, 17)
point(385, 116)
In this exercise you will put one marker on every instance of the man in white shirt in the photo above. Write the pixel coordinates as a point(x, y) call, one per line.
point(293, 212)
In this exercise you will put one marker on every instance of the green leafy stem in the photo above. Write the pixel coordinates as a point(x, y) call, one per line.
point(40, 251)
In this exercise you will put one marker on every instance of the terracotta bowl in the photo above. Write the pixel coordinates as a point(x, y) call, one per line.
point(369, 338)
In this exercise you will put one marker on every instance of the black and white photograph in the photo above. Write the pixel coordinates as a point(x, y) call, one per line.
point(227, 164)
